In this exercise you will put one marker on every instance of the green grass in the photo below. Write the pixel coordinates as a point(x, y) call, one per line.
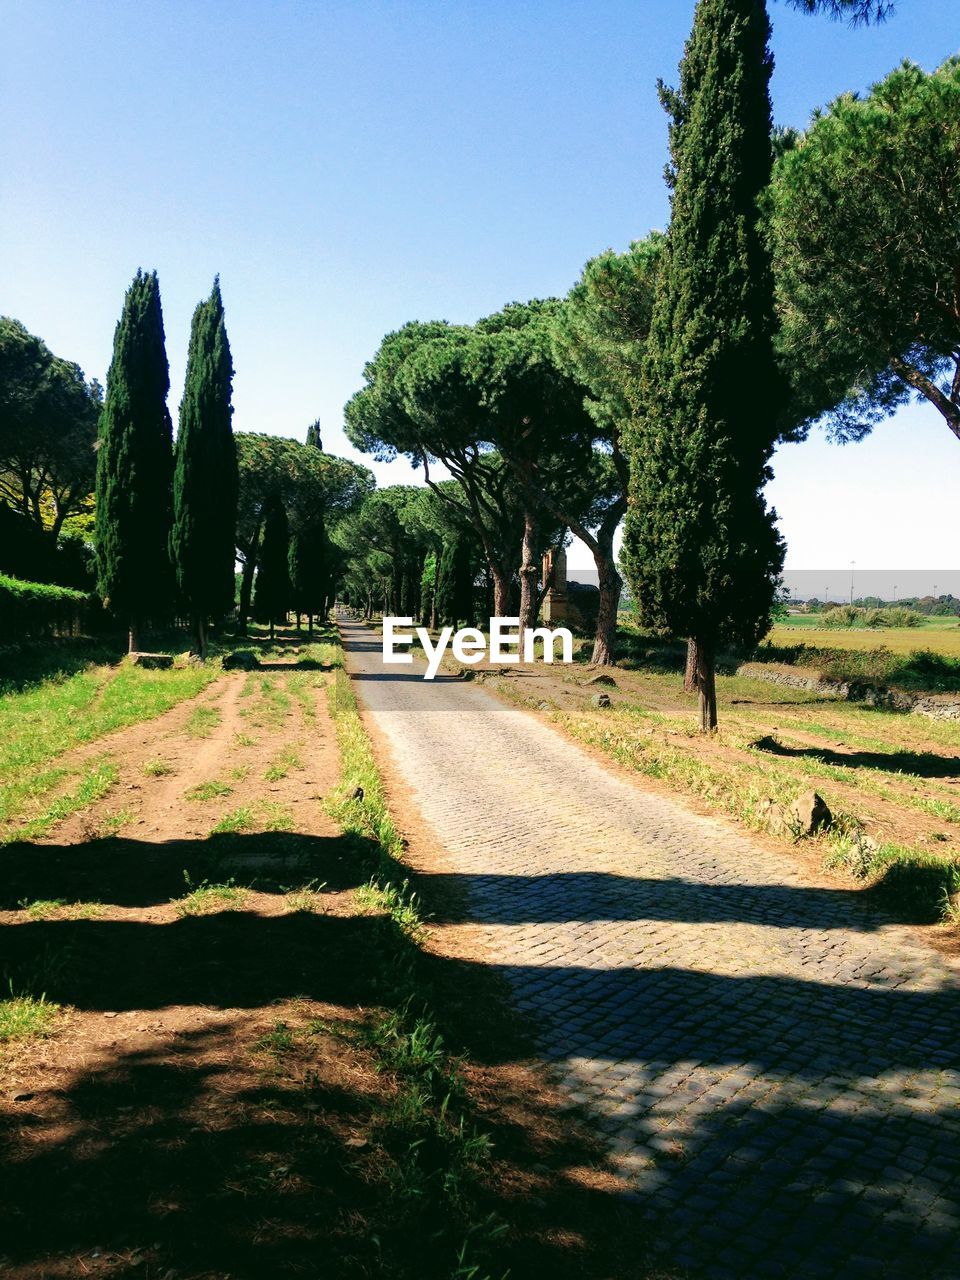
point(26, 1017)
point(202, 721)
point(272, 816)
point(243, 740)
point(431, 1156)
point(309, 897)
point(61, 909)
point(207, 898)
point(94, 785)
point(41, 723)
point(288, 759)
point(208, 790)
point(157, 769)
point(236, 820)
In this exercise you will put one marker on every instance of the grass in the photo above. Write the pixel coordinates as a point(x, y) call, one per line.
point(431, 1157)
point(61, 909)
point(39, 723)
point(308, 898)
point(94, 785)
point(207, 898)
point(208, 790)
point(157, 769)
point(272, 816)
point(243, 740)
point(26, 1017)
point(202, 722)
point(288, 759)
point(236, 820)
point(733, 775)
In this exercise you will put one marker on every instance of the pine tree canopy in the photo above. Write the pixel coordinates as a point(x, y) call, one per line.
point(134, 463)
point(205, 473)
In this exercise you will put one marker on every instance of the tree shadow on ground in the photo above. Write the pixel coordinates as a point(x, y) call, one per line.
point(583, 896)
point(921, 764)
point(130, 872)
point(145, 1152)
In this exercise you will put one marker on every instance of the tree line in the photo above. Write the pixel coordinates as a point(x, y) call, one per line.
point(168, 519)
point(802, 278)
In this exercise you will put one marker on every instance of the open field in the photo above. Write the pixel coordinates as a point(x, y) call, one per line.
point(225, 1037)
point(941, 635)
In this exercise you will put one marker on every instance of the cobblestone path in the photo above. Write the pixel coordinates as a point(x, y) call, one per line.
point(776, 1066)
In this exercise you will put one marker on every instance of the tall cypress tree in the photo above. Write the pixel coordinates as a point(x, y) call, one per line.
point(309, 569)
point(272, 596)
point(134, 466)
point(701, 548)
point(205, 479)
point(313, 435)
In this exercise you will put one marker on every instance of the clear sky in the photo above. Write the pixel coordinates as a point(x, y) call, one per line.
point(349, 165)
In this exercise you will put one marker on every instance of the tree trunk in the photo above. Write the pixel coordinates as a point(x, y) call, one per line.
point(611, 584)
point(201, 638)
point(271, 628)
point(310, 624)
point(529, 571)
point(501, 592)
point(133, 637)
point(706, 687)
point(690, 670)
point(246, 594)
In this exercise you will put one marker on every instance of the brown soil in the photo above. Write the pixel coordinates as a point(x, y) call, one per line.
point(205, 1108)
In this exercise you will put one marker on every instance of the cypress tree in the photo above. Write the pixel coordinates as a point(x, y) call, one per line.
point(309, 570)
point(701, 549)
point(313, 435)
point(205, 479)
point(272, 596)
point(134, 466)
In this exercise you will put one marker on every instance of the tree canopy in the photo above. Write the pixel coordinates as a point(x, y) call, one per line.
point(48, 429)
point(865, 231)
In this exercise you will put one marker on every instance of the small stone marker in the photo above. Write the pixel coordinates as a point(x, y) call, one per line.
point(601, 700)
point(602, 678)
point(152, 661)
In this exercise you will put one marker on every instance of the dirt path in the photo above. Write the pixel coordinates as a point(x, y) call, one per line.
point(774, 1064)
point(153, 1108)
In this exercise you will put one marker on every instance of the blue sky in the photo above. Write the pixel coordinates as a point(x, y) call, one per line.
point(347, 167)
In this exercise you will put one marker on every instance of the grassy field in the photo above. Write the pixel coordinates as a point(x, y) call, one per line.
point(941, 635)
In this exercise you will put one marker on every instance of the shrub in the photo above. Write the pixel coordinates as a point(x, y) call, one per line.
point(39, 609)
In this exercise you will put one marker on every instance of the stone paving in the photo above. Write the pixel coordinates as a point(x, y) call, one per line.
point(775, 1065)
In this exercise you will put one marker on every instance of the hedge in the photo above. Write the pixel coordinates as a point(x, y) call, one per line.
point(40, 609)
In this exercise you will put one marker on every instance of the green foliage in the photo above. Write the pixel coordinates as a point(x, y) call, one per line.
point(205, 470)
point(701, 550)
point(39, 609)
point(273, 590)
point(864, 211)
point(48, 426)
point(134, 463)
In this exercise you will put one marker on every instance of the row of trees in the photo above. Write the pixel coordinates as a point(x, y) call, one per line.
point(164, 515)
point(800, 276)
point(169, 519)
